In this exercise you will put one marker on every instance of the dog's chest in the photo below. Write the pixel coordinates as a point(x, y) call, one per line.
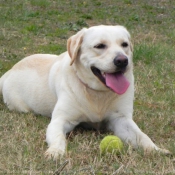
point(98, 106)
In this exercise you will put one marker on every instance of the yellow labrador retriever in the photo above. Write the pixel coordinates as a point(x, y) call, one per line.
point(93, 82)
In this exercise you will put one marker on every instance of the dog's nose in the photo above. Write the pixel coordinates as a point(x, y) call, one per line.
point(121, 61)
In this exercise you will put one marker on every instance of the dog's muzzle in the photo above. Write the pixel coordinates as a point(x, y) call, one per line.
point(115, 80)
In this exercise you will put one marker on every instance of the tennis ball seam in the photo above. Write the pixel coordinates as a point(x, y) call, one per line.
point(107, 147)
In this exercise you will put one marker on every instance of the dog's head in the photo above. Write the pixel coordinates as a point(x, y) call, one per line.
point(102, 57)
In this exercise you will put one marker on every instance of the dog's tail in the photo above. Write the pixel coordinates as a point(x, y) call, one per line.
point(2, 79)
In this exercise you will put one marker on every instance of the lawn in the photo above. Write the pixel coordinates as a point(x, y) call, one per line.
point(43, 26)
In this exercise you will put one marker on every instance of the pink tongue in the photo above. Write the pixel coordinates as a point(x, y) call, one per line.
point(117, 82)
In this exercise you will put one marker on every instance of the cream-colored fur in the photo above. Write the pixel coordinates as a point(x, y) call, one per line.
point(65, 88)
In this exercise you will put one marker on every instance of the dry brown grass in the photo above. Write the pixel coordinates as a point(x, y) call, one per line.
point(29, 27)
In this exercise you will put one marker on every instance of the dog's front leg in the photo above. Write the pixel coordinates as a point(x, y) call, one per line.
point(56, 134)
point(128, 131)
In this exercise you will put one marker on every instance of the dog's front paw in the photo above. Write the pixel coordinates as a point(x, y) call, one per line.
point(164, 151)
point(149, 150)
point(54, 153)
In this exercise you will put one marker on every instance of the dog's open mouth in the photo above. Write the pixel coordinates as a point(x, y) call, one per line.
point(115, 81)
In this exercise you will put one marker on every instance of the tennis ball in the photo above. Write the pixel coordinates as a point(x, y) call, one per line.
point(111, 144)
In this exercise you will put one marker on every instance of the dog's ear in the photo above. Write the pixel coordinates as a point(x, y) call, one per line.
point(128, 35)
point(74, 43)
point(131, 46)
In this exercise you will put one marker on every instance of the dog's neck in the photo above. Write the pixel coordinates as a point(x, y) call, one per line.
point(81, 81)
point(84, 84)
point(88, 88)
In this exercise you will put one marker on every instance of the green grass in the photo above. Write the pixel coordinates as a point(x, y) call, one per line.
point(43, 26)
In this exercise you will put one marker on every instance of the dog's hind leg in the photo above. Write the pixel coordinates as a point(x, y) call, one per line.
point(2, 79)
point(11, 93)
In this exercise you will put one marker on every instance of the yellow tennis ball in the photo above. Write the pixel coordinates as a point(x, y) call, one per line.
point(111, 144)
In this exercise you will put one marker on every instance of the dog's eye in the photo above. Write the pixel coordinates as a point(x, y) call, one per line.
point(100, 46)
point(124, 44)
